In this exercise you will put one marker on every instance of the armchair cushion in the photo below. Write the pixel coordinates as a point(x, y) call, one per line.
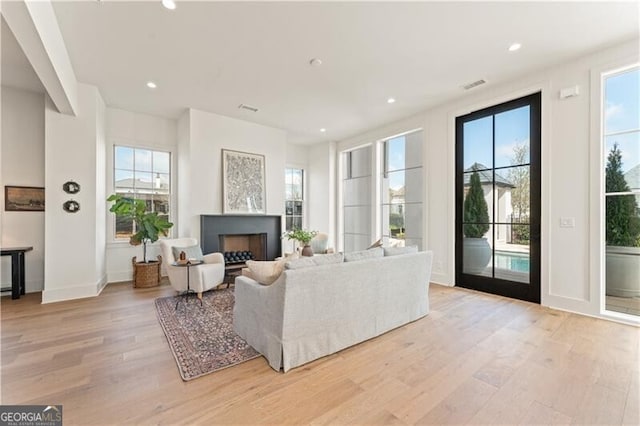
point(192, 252)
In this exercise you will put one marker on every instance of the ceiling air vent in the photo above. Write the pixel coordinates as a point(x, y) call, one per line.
point(248, 107)
point(474, 84)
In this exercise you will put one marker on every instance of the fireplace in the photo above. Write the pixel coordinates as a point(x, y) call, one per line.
point(236, 233)
point(238, 248)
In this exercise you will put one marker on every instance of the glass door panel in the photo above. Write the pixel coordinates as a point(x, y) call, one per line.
point(498, 199)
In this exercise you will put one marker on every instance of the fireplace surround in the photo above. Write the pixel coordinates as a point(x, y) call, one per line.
point(258, 234)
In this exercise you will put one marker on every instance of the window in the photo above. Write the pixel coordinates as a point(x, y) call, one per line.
point(621, 168)
point(402, 189)
point(144, 174)
point(294, 198)
point(357, 198)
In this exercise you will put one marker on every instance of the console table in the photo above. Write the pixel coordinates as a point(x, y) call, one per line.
point(17, 269)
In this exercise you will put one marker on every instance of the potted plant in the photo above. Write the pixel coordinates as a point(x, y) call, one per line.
point(304, 237)
point(622, 232)
point(148, 226)
point(476, 251)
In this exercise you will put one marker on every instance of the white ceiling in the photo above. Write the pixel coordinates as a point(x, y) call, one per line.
point(214, 56)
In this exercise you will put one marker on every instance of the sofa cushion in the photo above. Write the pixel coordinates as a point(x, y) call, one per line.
point(364, 254)
point(394, 251)
point(265, 272)
point(192, 252)
point(303, 262)
point(327, 259)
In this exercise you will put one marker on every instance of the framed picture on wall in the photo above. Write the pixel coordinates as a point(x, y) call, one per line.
point(23, 199)
point(243, 183)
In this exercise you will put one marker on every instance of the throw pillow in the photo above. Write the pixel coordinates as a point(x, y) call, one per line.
point(247, 273)
point(394, 251)
point(265, 272)
point(192, 252)
point(376, 244)
point(364, 254)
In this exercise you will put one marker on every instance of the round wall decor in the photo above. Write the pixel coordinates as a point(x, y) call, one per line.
point(71, 187)
point(71, 206)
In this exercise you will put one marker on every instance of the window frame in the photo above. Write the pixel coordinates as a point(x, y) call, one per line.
point(302, 199)
point(598, 241)
point(112, 240)
point(383, 173)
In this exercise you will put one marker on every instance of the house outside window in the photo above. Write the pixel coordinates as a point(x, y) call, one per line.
point(294, 198)
point(621, 168)
point(143, 174)
point(402, 188)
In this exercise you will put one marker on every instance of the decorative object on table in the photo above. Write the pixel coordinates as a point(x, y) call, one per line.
point(476, 250)
point(304, 237)
point(182, 260)
point(148, 228)
point(243, 183)
point(71, 206)
point(23, 199)
point(203, 341)
point(71, 187)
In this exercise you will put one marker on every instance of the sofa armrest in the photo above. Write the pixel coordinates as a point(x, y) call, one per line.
point(213, 258)
point(258, 314)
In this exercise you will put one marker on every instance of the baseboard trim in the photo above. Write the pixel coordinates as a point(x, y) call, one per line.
point(120, 276)
point(72, 293)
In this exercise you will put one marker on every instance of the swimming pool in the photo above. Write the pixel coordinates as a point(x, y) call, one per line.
point(518, 262)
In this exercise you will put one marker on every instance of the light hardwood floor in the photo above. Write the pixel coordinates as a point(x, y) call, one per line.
point(476, 359)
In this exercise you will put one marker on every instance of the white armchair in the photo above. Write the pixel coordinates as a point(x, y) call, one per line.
point(202, 277)
point(320, 242)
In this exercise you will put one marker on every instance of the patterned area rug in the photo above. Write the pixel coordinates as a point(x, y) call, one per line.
point(201, 337)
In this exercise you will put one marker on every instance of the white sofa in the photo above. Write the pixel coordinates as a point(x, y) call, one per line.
point(313, 312)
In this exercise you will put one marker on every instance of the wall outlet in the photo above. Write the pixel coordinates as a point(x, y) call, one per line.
point(567, 222)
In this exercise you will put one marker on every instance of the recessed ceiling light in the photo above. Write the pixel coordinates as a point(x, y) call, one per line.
point(315, 62)
point(390, 100)
point(323, 130)
point(514, 47)
point(169, 4)
point(151, 85)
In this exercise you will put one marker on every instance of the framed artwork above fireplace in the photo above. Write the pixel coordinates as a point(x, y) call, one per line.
point(243, 183)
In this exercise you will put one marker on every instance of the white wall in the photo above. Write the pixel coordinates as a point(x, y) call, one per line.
point(571, 277)
point(22, 155)
point(208, 134)
point(141, 131)
point(297, 155)
point(321, 184)
point(100, 188)
point(74, 262)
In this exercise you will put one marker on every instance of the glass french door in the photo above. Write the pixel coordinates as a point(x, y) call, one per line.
point(498, 199)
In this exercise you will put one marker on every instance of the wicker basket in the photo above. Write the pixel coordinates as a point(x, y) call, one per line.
point(146, 274)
